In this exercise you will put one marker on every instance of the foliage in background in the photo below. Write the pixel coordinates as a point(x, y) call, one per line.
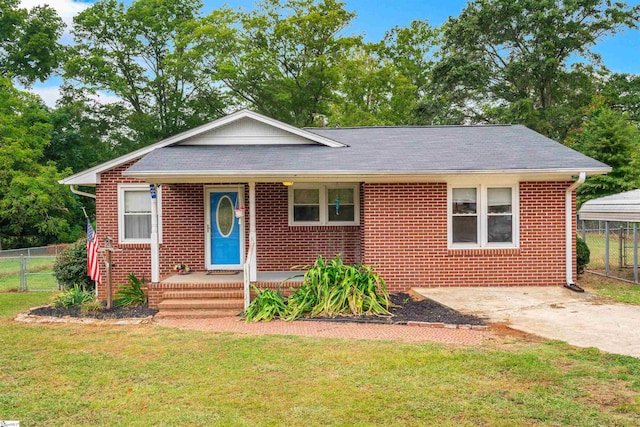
point(267, 305)
point(582, 254)
point(73, 297)
point(131, 294)
point(509, 61)
point(171, 67)
point(333, 288)
point(281, 59)
point(610, 137)
point(33, 206)
point(29, 48)
point(143, 53)
point(71, 266)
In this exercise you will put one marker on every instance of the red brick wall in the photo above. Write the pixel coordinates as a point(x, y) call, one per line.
point(134, 257)
point(403, 231)
point(280, 247)
point(405, 235)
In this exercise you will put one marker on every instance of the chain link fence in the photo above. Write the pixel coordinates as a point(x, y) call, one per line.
point(611, 245)
point(29, 269)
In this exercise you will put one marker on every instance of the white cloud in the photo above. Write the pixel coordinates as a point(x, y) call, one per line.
point(50, 94)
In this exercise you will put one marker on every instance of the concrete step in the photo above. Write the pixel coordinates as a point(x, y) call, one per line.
point(208, 304)
point(204, 294)
point(197, 314)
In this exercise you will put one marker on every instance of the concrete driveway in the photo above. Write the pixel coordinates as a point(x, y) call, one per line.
point(581, 319)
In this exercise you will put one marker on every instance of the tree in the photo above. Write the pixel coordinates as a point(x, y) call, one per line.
point(608, 136)
point(508, 60)
point(33, 206)
point(29, 48)
point(86, 132)
point(281, 59)
point(143, 54)
point(382, 83)
point(622, 93)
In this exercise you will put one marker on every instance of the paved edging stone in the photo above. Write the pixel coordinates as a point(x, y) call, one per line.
point(31, 318)
point(436, 325)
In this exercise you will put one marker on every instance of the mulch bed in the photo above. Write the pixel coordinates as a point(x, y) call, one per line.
point(411, 308)
point(112, 313)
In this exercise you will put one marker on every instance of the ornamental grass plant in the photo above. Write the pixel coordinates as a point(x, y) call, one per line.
point(328, 289)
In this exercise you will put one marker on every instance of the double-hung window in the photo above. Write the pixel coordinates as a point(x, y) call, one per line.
point(134, 213)
point(483, 216)
point(324, 204)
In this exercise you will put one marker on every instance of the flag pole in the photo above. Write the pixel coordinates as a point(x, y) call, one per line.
point(84, 211)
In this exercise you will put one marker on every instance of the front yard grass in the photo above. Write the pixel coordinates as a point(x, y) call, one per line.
point(613, 289)
point(148, 375)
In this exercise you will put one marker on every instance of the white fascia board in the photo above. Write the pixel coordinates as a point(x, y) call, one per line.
point(91, 176)
point(354, 176)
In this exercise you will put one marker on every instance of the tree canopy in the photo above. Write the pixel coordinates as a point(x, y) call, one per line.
point(167, 66)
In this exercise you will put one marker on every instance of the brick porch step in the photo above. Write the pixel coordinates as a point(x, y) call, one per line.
point(207, 304)
point(197, 313)
point(204, 294)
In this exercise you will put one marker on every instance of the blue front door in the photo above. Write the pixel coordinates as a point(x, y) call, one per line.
point(225, 230)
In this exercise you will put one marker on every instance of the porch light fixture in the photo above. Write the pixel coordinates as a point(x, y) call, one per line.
point(287, 183)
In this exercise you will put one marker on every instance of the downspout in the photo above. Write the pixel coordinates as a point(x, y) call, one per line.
point(570, 232)
point(74, 190)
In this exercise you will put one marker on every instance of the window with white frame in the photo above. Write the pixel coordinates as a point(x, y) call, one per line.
point(134, 213)
point(324, 204)
point(483, 216)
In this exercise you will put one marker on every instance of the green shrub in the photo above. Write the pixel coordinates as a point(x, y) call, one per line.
point(73, 297)
point(267, 305)
point(70, 267)
point(93, 306)
point(131, 295)
point(582, 254)
point(333, 288)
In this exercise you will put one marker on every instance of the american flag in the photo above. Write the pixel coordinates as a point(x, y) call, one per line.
point(93, 269)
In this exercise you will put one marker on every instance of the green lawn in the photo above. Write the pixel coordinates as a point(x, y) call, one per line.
point(39, 274)
point(148, 375)
point(614, 289)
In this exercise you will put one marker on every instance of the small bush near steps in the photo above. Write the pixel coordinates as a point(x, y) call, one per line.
point(329, 289)
point(131, 294)
point(73, 297)
point(267, 305)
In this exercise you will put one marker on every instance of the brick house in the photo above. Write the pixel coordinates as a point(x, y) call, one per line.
point(245, 198)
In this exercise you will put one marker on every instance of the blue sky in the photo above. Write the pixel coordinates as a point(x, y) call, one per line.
point(620, 53)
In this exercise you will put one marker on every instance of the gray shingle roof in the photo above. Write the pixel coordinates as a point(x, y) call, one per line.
point(381, 150)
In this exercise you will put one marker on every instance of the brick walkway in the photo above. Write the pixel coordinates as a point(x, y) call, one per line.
point(333, 330)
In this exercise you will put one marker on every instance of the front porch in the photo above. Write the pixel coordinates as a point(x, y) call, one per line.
point(219, 294)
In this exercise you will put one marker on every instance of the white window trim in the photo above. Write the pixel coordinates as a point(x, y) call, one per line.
point(324, 204)
point(482, 213)
point(121, 190)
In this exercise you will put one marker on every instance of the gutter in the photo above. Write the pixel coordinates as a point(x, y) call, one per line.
point(570, 232)
point(74, 190)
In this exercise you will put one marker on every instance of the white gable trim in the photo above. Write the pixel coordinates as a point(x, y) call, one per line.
point(92, 176)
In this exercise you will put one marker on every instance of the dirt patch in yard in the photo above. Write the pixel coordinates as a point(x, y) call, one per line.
point(411, 308)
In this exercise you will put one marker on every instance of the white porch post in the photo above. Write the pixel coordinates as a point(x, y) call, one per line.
point(253, 273)
point(155, 247)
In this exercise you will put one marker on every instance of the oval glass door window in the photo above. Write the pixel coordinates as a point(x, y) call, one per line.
point(224, 216)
